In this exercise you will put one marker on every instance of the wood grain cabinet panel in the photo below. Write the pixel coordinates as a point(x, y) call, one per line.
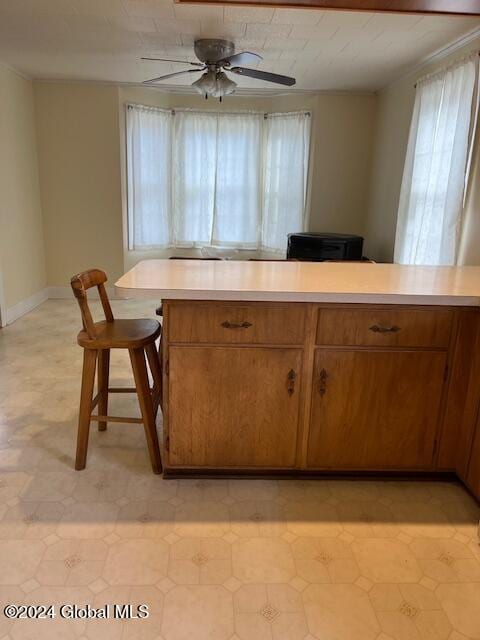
point(237, 324)
point(375, 409)
point(233, 406)
point(385, 327)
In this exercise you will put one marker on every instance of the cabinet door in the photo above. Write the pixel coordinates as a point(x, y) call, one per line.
point(375, 409)
point(233, 406)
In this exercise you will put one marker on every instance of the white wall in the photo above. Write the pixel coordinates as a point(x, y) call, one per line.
point(395, 107)
point(22, 257)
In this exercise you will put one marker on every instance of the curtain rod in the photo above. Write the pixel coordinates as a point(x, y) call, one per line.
point(442, 69)
point(133, 105)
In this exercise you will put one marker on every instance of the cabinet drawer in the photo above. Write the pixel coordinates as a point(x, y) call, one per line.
point(384, 327)
point(236, 324)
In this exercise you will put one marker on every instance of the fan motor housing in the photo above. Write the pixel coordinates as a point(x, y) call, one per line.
point(212, 49)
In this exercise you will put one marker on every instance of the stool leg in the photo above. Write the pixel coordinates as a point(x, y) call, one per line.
point(86, 395)
point(137, 358)
point(155, 368)
point(103, 375)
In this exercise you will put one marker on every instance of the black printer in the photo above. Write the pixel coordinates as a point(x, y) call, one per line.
point(317, 247)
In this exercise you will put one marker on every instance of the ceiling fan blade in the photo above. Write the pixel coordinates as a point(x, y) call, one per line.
point(196, 64)
point(171, 75)
point(264, 75)
point(244, 57)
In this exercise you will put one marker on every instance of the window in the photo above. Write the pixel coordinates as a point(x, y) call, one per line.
point(205, 179)
point(431, 200)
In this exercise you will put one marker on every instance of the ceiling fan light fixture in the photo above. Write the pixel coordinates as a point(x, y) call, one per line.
point(224, 86)
point(206, 83)
point(215, 84)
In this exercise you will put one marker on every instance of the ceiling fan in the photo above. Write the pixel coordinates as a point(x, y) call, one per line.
point(217, 56)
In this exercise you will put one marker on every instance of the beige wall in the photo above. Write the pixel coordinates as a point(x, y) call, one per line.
point(79, 160)
point(81, 146)
point(22, 260)
point(395, 107)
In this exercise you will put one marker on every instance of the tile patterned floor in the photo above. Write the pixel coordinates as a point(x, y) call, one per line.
point(213, 559)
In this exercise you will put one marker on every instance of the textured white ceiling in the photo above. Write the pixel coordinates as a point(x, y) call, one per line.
point(324, 50)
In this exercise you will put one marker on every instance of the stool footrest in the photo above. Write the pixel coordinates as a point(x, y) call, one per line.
point(122, 390)
point(116, 419)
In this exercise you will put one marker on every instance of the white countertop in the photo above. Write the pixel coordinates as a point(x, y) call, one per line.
point(302, 282)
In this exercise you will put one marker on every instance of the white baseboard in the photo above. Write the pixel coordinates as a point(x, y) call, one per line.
point(66, 293)
point(24, 306)
point(49, 293)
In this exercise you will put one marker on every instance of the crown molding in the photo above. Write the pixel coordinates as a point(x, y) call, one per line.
point(437, 56)
point(187, 90)
point(15, 71)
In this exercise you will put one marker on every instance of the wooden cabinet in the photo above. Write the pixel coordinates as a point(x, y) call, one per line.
point(233, 406)
point(310, 387)
point(375, 409)
point(234, 323)
point(380, 327)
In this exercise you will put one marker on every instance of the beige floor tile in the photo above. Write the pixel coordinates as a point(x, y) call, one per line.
point(405, 491)
point(446, 560)
point(253, 489)
point(200, 561)
point(264, 560)
point(136, 562)
point(461, 604)
point(251, 519)
point(385, 560)
point(145, 487)
point(88, 520)
point(322, 560)
point(368, 519)
point(318, 520)
point(304, 490)
point(353, 490)
point(72, 562)
point(269, 612)
point(202, 520)
point(202, 612)
point(202, 490)
point(32, 520)
point(145, 519)
point(422, 520)
point(19, 560)
point(337, 612)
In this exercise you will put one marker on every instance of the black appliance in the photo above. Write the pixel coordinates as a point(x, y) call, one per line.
point(317, 247)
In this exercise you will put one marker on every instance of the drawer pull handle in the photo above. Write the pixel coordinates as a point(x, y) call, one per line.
point(233, 325)
point(376, 328)
point(322, 385)
point(291, 377)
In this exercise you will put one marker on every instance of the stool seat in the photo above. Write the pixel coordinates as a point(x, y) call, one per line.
point(121, 334)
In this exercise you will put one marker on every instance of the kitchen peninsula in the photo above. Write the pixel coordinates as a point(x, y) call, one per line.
point(296, 367)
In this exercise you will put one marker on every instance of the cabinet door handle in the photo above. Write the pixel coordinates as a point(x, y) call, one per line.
point(322, 383)
point(377, 328)
point(291, 377)
point(234, 325)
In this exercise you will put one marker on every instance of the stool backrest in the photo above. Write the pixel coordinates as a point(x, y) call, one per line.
point(80, 284)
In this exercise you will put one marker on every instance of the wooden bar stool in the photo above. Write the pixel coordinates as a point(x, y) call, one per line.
point(97, 338)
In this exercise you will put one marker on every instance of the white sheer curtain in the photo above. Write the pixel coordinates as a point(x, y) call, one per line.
point(431, 200)
point(286, 171)
point(149, 135)
point(200, 179)
point(194, 165)
point(237, 217)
